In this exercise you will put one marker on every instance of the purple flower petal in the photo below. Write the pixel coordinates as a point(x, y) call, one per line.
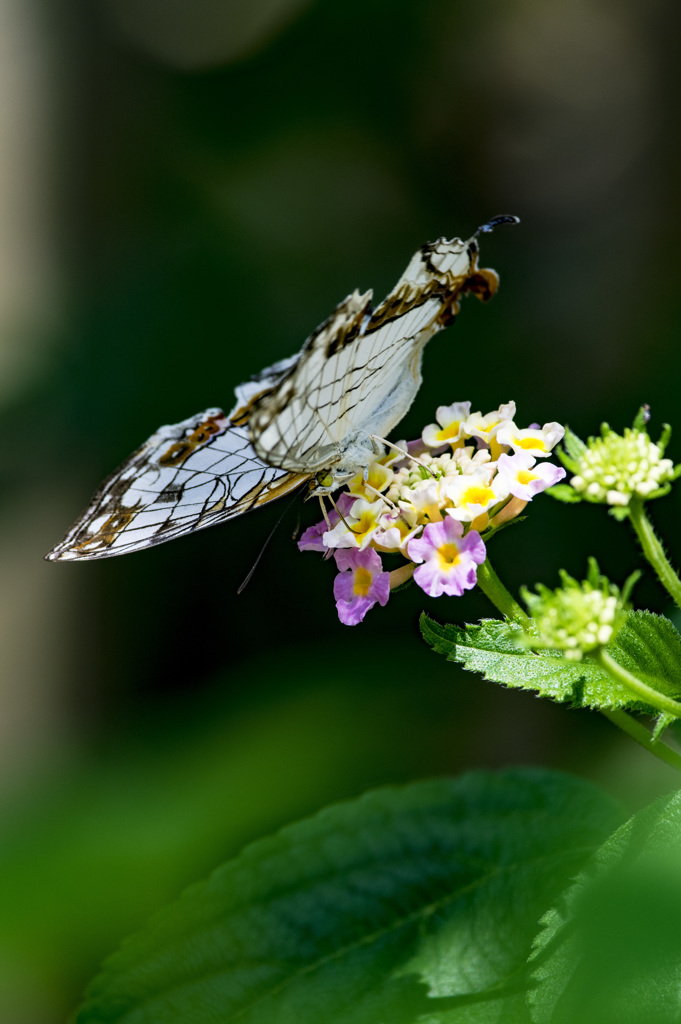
point(449, 561)
point(360, 584)
point(311, 540)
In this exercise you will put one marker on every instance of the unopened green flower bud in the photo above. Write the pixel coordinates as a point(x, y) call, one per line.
point(578, 617)
point(613, 468)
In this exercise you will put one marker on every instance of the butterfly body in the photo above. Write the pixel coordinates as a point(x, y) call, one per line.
point(310, 418)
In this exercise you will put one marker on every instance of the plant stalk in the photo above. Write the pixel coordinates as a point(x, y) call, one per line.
point(635, 686)
point(501, 598)
point(653, 550)
point(641, 736)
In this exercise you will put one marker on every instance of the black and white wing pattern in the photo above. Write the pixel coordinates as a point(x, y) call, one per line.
point(310, 416)
point(358, 373)
point(185, 477)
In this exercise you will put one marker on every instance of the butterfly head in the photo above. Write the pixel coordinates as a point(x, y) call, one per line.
point(322, 483)
point(328, 480)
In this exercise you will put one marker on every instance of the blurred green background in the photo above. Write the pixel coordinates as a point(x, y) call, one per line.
point(187, 187)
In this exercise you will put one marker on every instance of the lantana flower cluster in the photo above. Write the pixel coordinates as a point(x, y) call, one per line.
point(578, 617)
point(614, 468)
point(432, 503)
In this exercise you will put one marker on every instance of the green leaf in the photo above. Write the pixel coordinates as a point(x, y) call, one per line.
point(663, 722)
point(573, 450)
point(641, 419)
point(610, 951)
point(619, 512)
point(415, 904)
point(647, 645)
point(564, 493)
point(665, 438)
point(490, 649)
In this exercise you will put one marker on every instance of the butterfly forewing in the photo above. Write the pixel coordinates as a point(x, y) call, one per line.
point(185, 477)
point(358, 373)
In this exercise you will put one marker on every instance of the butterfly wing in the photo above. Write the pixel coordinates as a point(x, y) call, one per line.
point(187, 476)
point(358, 373)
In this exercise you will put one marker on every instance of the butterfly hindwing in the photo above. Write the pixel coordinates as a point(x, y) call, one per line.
point(185, 477)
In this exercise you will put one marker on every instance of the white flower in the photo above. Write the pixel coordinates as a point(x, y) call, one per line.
point(487, 426)
point(474, 493)
point(361, 525)
point(449, 426)
point(534, 440)
point(466, 461)
point(524, 478)
point(396, 528)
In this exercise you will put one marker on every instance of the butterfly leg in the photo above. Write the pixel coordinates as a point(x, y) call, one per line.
point(397, 448)
point(326, 518)
point(378, 494)
point(345, 522)
point(377, 449)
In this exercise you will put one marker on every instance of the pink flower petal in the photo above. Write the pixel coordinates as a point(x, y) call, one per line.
point(449, 561)
point(360, 584)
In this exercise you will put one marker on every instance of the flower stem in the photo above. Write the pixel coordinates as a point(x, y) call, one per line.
point(653, 550)
point(635, 686)
point(494, 589)
point(641, 735)
point(398, 577)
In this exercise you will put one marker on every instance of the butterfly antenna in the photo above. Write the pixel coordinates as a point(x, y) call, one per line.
point(490, 225)
point(262, 549)
point(296, 530)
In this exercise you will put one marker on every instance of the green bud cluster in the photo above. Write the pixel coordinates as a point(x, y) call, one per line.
point(611, 469)
point(577, 617)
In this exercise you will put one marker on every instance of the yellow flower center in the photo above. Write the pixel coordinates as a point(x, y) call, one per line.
point(362, 581)
point(477, 496)
point(448, 432)
point(448, 555)
point(486, 427)
point(378, 479)
point(377, 476)
point(530, 442)
point(525, 476)
point(401, 526)
point(365, 524)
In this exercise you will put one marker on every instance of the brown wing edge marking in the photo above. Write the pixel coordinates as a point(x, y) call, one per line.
point(204, 432)
point(108, 531)
point(98, 544)
point(112, 487)
point(119, 520)
point(402, 301)
point(357, 307)
point(253, 499)
point(483, 283)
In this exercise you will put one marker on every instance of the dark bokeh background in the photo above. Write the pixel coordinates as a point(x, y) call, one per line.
point(187, 187)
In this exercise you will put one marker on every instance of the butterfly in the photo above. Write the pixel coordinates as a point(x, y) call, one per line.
point(314, 419)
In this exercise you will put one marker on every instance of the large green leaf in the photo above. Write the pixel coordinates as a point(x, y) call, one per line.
point(610, 952)
point(414, 904)
point(489, 648)
point(647, 645)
